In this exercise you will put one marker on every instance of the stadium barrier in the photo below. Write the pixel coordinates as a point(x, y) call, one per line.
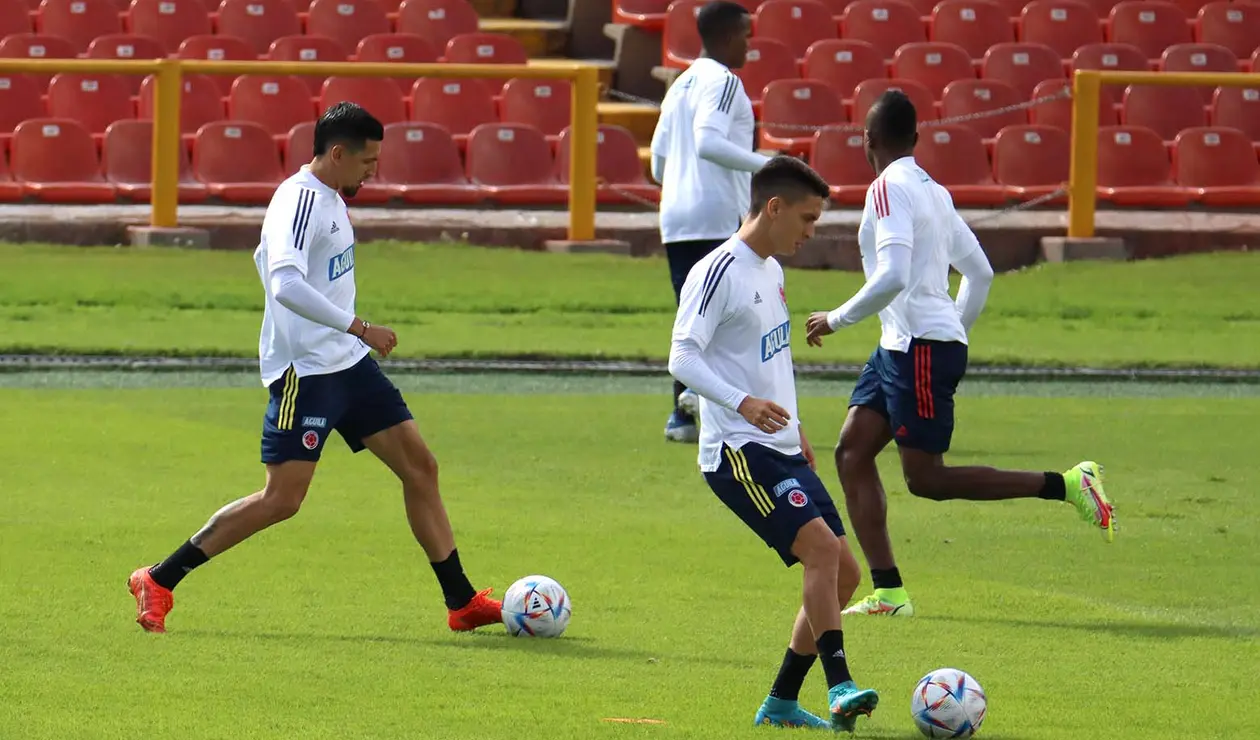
point(166, 129)
point(1086, 87)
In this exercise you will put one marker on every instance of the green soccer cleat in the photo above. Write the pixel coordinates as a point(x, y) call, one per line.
point(890, 602)
point(1085, 491)
point(785, 713)
point(847, 701)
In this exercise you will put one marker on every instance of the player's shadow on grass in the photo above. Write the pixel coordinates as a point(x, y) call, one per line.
point(567, 646)
point(1154, 630)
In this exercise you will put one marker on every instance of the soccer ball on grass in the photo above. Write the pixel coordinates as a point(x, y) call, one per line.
point(948, 703)
point(536, 606)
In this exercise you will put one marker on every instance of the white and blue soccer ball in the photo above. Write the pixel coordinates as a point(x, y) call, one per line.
point(948, 703)
point(536, 606)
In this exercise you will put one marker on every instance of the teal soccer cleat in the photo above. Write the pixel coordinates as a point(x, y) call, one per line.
point(784, 713)
point(847, 701)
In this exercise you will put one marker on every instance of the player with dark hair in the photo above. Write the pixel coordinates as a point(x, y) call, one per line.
point(730, 344)
point(910, 236)
point(314, 357)
point(702, 155)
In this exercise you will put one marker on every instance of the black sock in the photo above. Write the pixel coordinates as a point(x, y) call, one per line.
point(787, 685)
point(456, 589)
point(1054, 488)
point(831, 652)
point(171, 571)
point(890, 578)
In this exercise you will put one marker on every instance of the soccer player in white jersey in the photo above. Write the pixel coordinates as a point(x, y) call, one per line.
point(731, 345)
point(314, 359)
point(909, 237)
point(703, 156)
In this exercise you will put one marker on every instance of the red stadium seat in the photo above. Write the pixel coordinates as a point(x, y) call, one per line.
point(840, 157)
point(1150, 25)
point(379, 95)
point(198, 105)
point(307, 49)
point(14, 19)
point(217, 48)
point(459, 106)
point(974, 25)
point(437, 21)
point(238, 161)
point(843, 63)
point(544, 104)
point(1031, 161)
point(10, 191)
point(617, 166)
point(789, 106)
point(1063, 25)
point(1058, 113)
point(20, 99)
point(55, 160)
point(768, 60)
point(933, 64)
point(258, 22)
point(169, 22)
point(1199, 58)
point(78, 21)
point(127, 161)
point(886, 24)
point(95, 101)
point(869, 91)
point(646, 14)
point(421, 164)
point(513, 164)
point(126, 46)
point(346, 21)
point(956, 157)
point(36, 46)
point(1235, 26)
point(486, 48)
point(275, 103)
point(795, 23)
point(298, 147)
point(680, 41)
point(1022, 66)
point(1134, 169)
point(1164, 110)
point(1232, 107)
point(401, 48)
point(1219, 164)
point(968, 97)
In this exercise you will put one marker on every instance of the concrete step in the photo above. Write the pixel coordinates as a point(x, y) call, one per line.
point(639, 118)
point(540, 38)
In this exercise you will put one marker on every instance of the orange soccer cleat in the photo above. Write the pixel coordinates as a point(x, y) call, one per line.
point(153, 602)
point(479, 612)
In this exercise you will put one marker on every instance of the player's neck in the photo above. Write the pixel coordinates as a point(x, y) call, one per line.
point(882, 163)
point(706, 54)
point(756, 236)
point(320, 169)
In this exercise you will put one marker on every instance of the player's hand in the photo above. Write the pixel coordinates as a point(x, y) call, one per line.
point(807, 450)
point(816, 327)
point(380, 338)
point(767, 416)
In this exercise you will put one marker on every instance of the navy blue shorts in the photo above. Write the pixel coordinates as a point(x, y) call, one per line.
point(914, 391)
point(357, 402)
point(774, 494)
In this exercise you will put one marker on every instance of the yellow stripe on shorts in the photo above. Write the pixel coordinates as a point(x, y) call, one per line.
point(743, 474)
point(288, 399)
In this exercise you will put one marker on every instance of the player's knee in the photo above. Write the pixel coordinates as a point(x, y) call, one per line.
point(923, 482)
point(283, 499)
point(422, 469)
point(817, 547)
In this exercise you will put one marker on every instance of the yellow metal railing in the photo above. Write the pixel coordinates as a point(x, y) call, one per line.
point(166, 129)
point(1086, 87)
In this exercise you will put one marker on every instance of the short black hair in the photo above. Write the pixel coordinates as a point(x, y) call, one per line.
point(719, 20)
point(349, 124)
point(788, 178)
point(895, 121)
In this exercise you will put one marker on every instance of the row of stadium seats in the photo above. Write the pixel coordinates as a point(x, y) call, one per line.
point(975, 25)
point(279, 103)
point(257, 22)
point(57, 161)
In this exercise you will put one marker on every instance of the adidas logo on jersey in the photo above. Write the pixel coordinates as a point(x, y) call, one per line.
point(756, 297)
point(334, 228)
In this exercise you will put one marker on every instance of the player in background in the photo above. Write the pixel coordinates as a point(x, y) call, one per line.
point(314, 357)
point(702, 155)
point(730, 344)
point(909, 237)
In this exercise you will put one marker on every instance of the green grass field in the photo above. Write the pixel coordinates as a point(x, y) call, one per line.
point(331, 625)
point(458, 301)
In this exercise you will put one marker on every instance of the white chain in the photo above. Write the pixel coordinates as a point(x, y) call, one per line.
point(1064, 93)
